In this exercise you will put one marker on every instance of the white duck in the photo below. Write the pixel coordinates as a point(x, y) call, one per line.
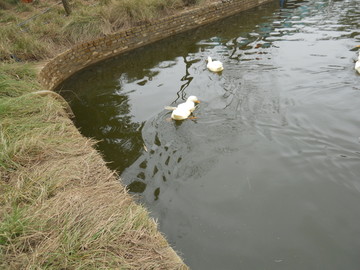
point(183, 110)
point(214, 66)
point(357, 64)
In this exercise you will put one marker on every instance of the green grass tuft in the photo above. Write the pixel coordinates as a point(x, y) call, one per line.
point(17, 79)
point(13, 225)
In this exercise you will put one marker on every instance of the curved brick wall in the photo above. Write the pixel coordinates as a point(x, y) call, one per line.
point(64, 65)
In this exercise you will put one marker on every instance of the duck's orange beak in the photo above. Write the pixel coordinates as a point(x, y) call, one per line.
point(198, 101)
point(357, 46)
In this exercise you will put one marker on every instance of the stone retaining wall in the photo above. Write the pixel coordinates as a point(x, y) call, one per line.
point(78, 57)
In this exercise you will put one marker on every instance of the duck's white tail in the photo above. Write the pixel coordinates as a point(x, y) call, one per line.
point(170, 108)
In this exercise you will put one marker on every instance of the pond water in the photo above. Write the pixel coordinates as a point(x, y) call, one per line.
point(268, 174)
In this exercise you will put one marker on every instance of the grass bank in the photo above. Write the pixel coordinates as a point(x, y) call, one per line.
point(41, 30)
point(60, 206)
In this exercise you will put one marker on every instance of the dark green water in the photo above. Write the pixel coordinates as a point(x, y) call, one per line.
point(268, 175)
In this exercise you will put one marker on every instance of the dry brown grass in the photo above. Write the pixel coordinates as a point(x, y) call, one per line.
point(30, 33)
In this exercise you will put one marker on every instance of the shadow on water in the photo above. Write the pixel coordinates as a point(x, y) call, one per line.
point(267, 175)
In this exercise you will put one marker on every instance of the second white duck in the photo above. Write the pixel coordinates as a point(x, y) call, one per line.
point(357, 64)
point(214, 66)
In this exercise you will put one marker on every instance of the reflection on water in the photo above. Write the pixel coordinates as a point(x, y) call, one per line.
point(267, 176)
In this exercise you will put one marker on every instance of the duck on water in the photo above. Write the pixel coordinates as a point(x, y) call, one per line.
point(184, 110)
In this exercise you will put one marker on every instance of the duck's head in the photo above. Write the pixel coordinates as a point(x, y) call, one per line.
point(193, 99)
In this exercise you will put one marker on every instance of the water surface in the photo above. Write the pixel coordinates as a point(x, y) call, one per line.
point(268, 175)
